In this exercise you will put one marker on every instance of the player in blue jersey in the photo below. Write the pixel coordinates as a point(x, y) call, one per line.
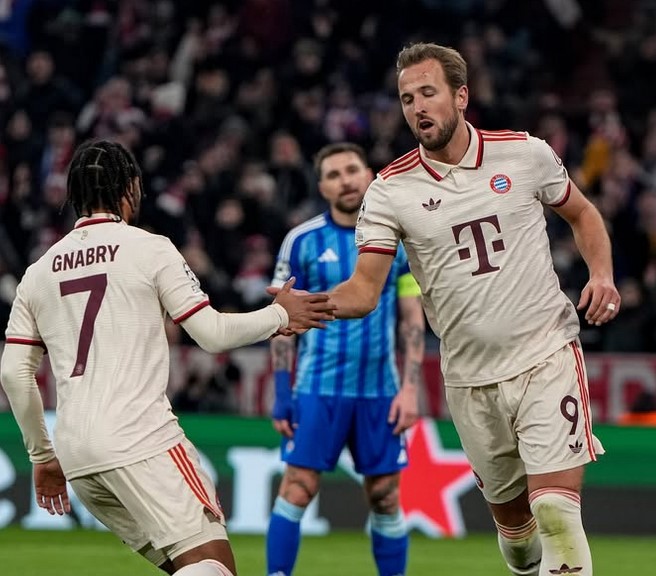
point(346, 387)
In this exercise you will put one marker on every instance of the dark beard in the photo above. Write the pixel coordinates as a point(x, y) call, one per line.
point(347, 208)
point(444, 134)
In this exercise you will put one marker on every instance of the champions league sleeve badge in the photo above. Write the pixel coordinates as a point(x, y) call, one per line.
point(192, 277)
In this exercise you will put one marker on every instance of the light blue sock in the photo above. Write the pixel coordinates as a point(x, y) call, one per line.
point(283, 537)
point(389, 543)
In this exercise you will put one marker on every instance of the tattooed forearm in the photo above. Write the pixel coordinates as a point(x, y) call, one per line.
point(412, 337)
point(413, 373)
point(282, 353)
point(412, 340)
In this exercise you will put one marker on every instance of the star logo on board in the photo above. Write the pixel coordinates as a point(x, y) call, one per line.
point(433, 482)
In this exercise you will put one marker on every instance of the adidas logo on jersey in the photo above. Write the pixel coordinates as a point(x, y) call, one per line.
point(576, 447)
point(565, 569)
point(432, 205)
point(403, 457)
point(328, 256)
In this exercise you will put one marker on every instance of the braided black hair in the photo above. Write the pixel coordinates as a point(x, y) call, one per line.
point(99, 177)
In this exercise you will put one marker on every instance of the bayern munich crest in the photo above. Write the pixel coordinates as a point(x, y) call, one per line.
point(500, 183)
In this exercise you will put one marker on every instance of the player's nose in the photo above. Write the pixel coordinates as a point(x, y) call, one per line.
point(418, 106)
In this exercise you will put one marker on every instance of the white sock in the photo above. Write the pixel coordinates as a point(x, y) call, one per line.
point(565, 548)
point(204, 568)
point(520, 548)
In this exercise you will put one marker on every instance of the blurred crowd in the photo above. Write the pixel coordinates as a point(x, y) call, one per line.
point(225, 103)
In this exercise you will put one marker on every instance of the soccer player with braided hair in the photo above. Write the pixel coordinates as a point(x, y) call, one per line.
point(101, 173)
point(96, 302)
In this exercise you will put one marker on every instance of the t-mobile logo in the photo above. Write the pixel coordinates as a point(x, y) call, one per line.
point(476, 226)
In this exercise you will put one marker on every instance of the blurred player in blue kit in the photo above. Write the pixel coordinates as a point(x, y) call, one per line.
point(346, 390)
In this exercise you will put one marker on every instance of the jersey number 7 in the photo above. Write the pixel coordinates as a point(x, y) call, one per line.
point(96, 286)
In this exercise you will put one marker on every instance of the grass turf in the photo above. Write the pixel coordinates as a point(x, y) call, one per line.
point(27, 553)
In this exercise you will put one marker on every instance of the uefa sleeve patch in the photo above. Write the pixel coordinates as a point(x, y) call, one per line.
point(195, 282)
point(282, 272)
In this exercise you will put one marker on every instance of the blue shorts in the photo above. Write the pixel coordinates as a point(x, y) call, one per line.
point(326, 424)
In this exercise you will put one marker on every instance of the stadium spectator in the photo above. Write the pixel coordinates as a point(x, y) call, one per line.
point(118, 442)
point(296, 190)
point(346, 386)
point(45, 93)
point(22, 143)
point(511, 359)
point(58, 147)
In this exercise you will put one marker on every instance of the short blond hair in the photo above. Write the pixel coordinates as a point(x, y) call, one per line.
point(453, 64)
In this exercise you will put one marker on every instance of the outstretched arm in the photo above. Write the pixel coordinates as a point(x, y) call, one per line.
point(216, 332)
point(359, 295)
point(594, 244)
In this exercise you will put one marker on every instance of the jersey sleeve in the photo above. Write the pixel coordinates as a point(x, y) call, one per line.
point(22, 328)
point(177, 286)
point(377, 229)
point(553, 184)
point(289, 263)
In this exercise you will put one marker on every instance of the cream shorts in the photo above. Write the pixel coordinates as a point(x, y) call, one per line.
point(160, 507)
point(535, 423)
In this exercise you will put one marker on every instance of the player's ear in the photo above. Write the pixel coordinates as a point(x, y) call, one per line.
point(462, 98)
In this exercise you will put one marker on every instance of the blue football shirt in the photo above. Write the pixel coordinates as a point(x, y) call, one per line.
point(352, 358)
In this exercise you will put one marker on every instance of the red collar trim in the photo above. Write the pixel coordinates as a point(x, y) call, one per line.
point(90, 221)
point(479, 156)
point(429, 168)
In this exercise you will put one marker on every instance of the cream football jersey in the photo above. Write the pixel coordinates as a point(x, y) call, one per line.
point(96, 301)
point(476, 240)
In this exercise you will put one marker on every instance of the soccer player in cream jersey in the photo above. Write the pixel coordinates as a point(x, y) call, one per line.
point(346, 384)
point(96, 301)
point(467, 204)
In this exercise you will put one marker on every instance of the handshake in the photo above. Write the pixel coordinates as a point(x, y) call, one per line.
point(305, 309)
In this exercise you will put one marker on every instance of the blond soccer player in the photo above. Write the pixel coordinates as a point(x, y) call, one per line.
point(468, 206)
point(96, 301)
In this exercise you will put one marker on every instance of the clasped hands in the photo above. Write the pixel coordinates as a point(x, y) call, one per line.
point(305, 309)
